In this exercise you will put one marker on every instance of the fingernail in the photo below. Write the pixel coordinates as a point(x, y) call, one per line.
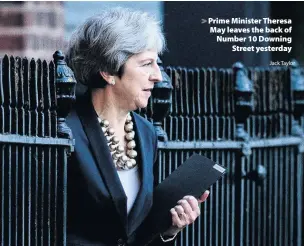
point(207, 191)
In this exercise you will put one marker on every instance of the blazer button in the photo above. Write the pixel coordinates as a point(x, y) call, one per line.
point(120, 242)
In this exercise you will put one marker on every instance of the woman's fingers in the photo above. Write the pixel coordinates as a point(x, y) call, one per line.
point(176, 221)
point(179, 209)
point(186, 206)
point(192, 201)
point(187, 210)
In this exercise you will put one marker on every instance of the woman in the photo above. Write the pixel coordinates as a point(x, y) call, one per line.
point(110, 175)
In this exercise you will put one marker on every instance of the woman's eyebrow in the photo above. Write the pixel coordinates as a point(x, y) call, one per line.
point(146, 59)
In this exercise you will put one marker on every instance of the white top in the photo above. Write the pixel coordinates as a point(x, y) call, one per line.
point(130, 180)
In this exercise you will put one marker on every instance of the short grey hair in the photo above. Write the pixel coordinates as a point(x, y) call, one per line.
point(106, 41)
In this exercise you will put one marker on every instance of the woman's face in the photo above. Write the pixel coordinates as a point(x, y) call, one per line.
point(135, 85)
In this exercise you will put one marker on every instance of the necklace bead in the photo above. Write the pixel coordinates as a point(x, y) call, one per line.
point(115, 140)
point(110, 131)
point(130, 135)
point(120, 149)
point(131, 153)
point(112, 147)
point(124, 158)
point(131, 144)
point(129, 118)
point(108, 138)
point(129, 164)
point(105, 123)
point(128, 127)
point(116, 155)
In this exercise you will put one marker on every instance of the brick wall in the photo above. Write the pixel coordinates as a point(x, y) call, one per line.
point(31, 29)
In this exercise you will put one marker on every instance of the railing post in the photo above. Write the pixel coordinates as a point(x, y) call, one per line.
point(243, 107)
point(65, 93)
point(243, 91)
point(162, 99)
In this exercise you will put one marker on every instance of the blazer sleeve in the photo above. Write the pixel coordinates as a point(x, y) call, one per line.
point(157, 241)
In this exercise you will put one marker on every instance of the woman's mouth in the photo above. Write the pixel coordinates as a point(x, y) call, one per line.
point(147, 92)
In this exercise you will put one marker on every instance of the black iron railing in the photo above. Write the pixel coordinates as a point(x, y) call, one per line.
point(248, 119)
point(33, 158)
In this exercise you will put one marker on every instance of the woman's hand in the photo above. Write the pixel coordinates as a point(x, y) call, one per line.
point(185, 213)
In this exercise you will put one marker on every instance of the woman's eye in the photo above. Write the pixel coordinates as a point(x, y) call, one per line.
point(147, 64)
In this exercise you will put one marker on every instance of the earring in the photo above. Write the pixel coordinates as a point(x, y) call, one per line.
point(112, 81)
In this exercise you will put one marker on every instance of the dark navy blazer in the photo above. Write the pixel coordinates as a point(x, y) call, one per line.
point(97, 204)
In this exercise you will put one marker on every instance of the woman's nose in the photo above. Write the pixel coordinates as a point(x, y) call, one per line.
point(156, 76)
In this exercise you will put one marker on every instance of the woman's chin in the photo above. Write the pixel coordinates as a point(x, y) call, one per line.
point(141, 104)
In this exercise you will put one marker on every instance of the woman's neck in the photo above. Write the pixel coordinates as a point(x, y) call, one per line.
point(108, 108)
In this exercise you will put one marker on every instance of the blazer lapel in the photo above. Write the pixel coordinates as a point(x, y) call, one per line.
point(142, 203)
point(102, 155)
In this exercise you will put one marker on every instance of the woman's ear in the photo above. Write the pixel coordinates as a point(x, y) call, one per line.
point(107, 77)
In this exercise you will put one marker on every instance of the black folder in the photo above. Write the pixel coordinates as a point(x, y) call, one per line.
point(193, 177)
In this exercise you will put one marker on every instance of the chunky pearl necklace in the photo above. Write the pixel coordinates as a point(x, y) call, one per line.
point(121, 161)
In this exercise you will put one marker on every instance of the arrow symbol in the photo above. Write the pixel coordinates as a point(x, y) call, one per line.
point(203, 21)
